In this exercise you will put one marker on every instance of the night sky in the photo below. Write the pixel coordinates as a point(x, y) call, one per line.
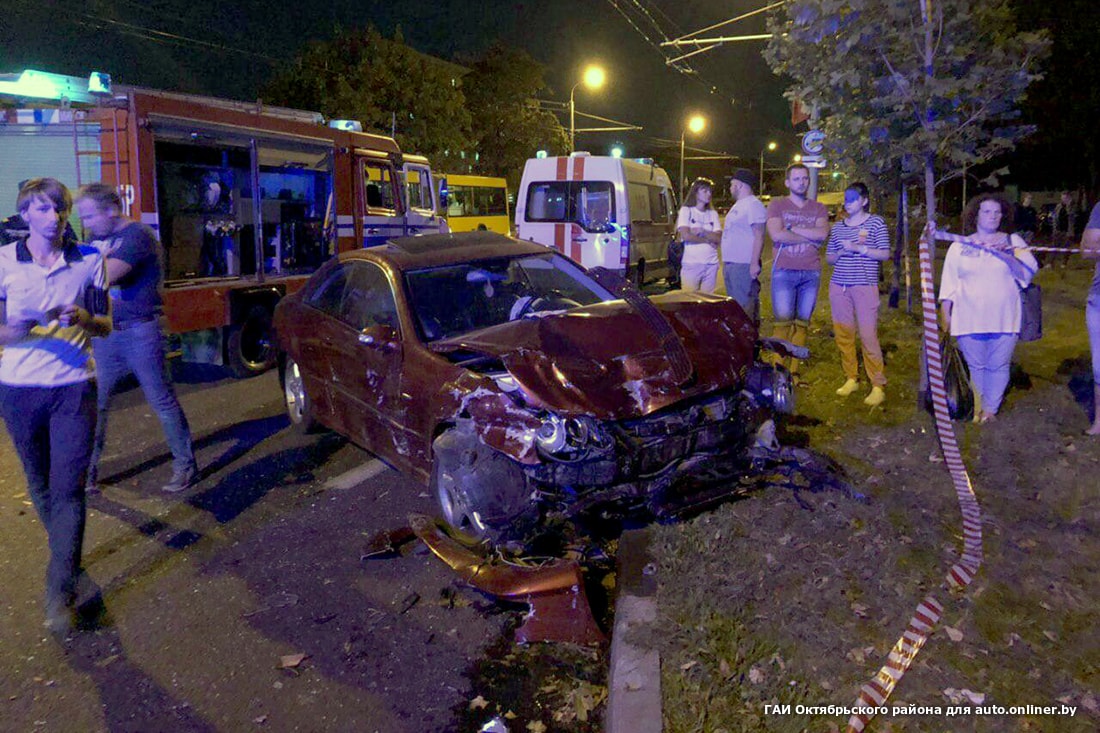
point(733, 86)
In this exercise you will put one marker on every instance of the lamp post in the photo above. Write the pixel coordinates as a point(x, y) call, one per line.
point(593, 78)
point(695, 124)
point(771, 148)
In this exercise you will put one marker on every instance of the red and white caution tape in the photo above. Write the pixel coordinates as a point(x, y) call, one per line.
point(875, 693)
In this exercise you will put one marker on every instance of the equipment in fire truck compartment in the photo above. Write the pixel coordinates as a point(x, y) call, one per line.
point(206, 211)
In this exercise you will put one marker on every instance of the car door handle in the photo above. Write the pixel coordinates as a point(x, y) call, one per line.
point(373, 230)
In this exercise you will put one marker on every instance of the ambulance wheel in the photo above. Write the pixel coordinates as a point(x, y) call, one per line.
point(249, 345)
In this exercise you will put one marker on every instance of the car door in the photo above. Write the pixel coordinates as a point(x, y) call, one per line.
point(367, 365)
point(316, 327)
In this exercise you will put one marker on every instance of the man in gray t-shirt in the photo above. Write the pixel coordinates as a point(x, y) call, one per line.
point(1090, 248)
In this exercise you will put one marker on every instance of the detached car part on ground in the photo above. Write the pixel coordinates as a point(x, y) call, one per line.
point(518, 385)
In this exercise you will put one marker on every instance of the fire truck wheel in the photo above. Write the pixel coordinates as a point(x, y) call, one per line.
point(249, 347)
point(299, 407)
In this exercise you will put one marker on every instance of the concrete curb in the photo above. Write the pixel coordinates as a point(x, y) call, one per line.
point(634, 678)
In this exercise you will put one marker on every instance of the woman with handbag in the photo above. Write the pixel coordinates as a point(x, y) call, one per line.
point(980, 295)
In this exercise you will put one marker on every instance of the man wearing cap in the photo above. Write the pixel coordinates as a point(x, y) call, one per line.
point(742, 242)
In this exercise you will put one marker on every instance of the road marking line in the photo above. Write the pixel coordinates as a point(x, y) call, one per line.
point(359, 474)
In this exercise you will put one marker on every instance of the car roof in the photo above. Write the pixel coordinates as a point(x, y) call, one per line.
point(435, 250)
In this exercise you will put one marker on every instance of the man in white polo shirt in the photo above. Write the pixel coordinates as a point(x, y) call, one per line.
point(53, 299)
point(743, 241)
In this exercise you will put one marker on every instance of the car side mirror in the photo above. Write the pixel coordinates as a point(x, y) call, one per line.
point(380, 337)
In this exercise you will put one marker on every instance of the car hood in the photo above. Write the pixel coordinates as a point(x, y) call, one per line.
point(606, 362)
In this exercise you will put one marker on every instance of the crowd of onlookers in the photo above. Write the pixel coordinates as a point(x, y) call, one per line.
point(987, 269)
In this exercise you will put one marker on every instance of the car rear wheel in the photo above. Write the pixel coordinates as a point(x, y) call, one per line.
point(299, 408)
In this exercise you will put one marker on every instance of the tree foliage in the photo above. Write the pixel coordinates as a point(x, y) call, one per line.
point(930, 86)
point(507, 125)
point(384, 84)
point(1063, 155)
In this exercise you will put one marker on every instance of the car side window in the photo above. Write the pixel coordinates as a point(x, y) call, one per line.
point(329, 295)
point(367, 298)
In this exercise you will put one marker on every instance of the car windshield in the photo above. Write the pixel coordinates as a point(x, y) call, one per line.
point(457, 299)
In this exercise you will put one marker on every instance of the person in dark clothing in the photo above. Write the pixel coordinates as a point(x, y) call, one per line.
point(136, 344)
point(1026, 218)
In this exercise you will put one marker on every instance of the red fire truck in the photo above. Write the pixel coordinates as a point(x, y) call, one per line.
point(247, 199)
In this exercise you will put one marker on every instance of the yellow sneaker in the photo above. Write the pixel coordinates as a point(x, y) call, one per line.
point(850, 386)
point(876, 397)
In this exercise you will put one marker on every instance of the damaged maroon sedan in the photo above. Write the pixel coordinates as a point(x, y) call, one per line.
point(515, 383)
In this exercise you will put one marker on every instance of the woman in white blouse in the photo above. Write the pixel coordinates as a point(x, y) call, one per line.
point(700, 232)
point(980, 295)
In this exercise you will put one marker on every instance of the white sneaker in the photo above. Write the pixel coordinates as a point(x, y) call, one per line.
point(848, 387)
point(876, 398)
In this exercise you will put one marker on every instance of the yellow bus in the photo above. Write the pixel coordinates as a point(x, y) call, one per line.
point(475, 202)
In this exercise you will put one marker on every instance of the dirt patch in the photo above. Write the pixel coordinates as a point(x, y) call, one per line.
point(772, 601)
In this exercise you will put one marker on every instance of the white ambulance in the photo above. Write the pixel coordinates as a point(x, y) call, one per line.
point(599, 211)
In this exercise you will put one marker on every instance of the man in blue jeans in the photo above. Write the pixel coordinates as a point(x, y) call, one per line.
point(135, 345)
point(798, 226)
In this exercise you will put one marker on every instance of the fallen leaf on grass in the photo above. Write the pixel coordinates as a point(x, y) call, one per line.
point(688, 665)
point(953, 633)
point(479, 703)
point(756, 676)
point(290, 661)
point(1050, 635)
point(536, 726)
point(1089, 703)
point(859, 609)
point(260, 720)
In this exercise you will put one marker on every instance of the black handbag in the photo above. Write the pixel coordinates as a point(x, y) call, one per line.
point(1031, 313)
point(956, 382)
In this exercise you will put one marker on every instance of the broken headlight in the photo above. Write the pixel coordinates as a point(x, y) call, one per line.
point(570, 437)
point(771, 386)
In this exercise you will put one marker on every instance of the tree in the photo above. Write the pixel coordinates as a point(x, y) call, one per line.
point(507, 125)
point(1064, 155)
point(384, 84)
point(929, 87)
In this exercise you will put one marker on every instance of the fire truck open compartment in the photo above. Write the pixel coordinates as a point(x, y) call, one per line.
point(206, 207)
point(247, 199)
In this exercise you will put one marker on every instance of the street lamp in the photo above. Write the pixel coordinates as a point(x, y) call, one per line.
point(771, 148)
point(695, 124)
point(593, 78)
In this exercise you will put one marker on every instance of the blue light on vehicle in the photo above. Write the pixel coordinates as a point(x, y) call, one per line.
point(99, 83)
point(346, 125)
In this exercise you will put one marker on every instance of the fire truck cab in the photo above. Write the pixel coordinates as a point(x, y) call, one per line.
point(247, 199)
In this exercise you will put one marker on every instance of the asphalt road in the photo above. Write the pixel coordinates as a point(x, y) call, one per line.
point(208, 590)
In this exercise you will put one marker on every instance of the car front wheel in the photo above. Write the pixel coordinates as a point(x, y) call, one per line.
point(480, 491)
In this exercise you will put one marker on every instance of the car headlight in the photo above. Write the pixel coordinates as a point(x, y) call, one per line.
point(569, 436)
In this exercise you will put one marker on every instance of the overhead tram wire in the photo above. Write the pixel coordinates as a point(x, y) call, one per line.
point(151, 34)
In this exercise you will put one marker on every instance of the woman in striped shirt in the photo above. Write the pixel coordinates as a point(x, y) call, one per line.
point(857, 245)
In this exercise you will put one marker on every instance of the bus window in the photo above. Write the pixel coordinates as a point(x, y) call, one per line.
point(477, 202)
